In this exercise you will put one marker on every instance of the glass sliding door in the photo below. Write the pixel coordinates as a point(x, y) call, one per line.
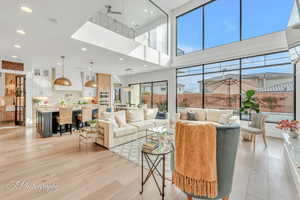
point(160, 96)
point(152, 94)
point(135, 94)
point(146, 94)
point(189, 92)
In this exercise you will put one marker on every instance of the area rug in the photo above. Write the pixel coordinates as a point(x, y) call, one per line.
point(132, 152)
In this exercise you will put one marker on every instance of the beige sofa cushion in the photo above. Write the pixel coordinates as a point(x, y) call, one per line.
point(135, 115)
point(125, 131)
point(150, 113)
point(183, 115)
point(218, 115)
point(121, 118)
point(109, 116)
point(200, 113)
point(143, 125)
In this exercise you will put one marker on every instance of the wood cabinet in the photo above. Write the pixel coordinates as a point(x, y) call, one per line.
point(9, 116)
point(104, 86)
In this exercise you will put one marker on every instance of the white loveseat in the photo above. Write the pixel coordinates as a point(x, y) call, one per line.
point(212, 116)
point(124, 126)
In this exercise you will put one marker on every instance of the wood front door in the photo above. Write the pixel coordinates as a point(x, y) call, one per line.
point(20, 111)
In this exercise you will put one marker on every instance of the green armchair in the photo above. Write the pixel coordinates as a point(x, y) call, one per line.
point(227, 145)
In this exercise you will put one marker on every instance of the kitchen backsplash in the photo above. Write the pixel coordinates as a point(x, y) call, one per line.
point(68, 96)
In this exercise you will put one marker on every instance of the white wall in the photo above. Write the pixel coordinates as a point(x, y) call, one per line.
point(298, 91)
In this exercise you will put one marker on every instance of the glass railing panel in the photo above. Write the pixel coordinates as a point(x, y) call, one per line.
point(139, 20)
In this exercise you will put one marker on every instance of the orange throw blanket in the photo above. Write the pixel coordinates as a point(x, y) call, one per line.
point(196, 164)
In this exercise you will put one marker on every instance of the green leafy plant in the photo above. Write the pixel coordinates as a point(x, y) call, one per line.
point(92, 123)
point(249, 104)
point(36, 101)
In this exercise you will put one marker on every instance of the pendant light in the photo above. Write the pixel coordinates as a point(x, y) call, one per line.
point(91, 83)
point(62, 81)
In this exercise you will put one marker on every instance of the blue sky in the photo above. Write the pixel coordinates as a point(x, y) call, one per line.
point(222, 26)
point(222, 22)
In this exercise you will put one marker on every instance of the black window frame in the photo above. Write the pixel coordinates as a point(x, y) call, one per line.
point(240, 75)
point(152, 83)
point(203, 29)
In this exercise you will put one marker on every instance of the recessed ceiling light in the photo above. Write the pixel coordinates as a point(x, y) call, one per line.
point(151, 12)
point(83, 49)
point(14, 56)
point(59, 64)
point(21, 32)
point(145, 10)
point(26, 9)
point(17, 46)
point(145, 65)
point(121, 59)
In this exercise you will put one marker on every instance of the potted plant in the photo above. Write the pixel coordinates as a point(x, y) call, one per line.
point(249, 105)
point(291, 127)
point(92, 123)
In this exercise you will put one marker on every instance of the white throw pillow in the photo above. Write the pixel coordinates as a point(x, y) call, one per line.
point(108, 116)
point(150, 113)
point(213, 115)
point(121, 118)
point(225, 118)
point(135, 115)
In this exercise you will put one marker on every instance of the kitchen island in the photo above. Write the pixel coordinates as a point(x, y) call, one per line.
point(46, 123)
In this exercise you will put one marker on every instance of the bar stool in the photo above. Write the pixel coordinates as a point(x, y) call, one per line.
point(65, 119)
point(85, 116)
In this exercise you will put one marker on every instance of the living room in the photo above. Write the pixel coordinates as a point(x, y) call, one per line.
point(106, 92)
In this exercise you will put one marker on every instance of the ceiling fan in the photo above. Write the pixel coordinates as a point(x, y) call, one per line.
point(110, 11)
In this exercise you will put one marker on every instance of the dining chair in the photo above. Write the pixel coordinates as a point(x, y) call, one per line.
point(65, 119)
point(85, 116)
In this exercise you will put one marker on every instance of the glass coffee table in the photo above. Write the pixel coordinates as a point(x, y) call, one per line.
point(162, 133)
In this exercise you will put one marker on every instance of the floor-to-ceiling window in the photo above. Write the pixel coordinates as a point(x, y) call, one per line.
point(146, 94)
point(190, 32)
point(160, 95)
point(221, 22)
point(272, 77)
point(263, 17)
point(153, 94)
point(221, 85)
point(190, 87)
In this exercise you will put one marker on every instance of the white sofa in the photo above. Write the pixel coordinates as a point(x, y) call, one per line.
point(124, 126)
point(212, 116)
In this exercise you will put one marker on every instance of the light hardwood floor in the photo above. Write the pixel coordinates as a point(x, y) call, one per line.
point(102, 175)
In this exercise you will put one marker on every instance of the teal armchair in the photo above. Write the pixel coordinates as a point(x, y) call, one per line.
point(227, 145)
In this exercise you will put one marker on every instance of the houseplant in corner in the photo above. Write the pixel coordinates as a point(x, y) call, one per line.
point(249, 105)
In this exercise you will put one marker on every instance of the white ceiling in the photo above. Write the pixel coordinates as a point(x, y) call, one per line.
point(46, 41)
point(169, 5)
